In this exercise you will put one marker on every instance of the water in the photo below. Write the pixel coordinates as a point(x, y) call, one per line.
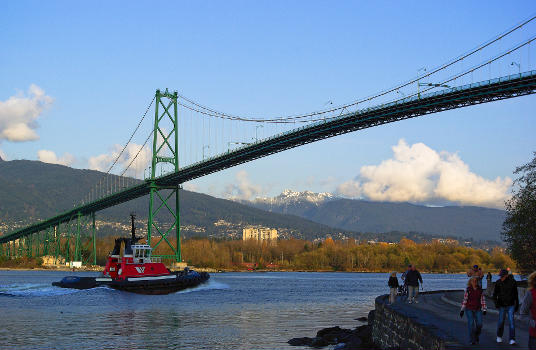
point(233, 311)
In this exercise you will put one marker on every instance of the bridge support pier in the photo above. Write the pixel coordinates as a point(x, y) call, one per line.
point(46, 240)
point(77, 252)
point(93, 231)
point(38, 246)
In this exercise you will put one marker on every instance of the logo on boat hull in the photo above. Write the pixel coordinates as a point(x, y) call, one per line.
point(140, 269)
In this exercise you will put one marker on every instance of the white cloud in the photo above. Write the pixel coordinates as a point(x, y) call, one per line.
point(190, 187)
point(103, 162)
point(319, 184)
point(243, 188)
point(140, 165)
point(420, 174)
point(350, 189)
point(458, 184)
point(47, 156)
point(19, 113)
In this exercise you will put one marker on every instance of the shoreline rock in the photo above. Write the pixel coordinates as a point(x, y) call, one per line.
point(343, 339)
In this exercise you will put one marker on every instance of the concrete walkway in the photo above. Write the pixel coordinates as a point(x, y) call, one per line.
point(440, 311)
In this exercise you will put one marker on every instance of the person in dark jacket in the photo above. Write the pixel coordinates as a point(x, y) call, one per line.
point(412, 280)
point(474, 305)
point(507, 301)
point(393, 287)
point(528, 307)
point(488, 280)
point(404, 274)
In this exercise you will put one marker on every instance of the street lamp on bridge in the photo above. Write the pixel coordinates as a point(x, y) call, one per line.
point(435, 85)
point(423, 69)
point(205, 146)
point(518, 66)
point(256, 128)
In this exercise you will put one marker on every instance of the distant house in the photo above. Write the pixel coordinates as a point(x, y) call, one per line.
point(250, 266)
point(446, 241)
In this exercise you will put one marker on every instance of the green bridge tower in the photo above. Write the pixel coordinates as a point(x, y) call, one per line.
point(164, 198)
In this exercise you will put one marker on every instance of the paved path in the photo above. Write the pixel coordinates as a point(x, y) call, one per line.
point(441, 311)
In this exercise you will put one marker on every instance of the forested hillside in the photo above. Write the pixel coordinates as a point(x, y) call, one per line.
point(32, 190)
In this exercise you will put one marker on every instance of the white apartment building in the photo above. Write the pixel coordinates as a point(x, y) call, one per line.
point(259, 233)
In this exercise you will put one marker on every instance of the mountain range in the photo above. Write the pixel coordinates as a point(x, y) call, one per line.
point(376, 217)
point(32, 190)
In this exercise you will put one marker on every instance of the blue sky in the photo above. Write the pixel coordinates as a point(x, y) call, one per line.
point(100, 62)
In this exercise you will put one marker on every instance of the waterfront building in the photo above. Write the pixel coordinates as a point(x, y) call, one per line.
point(259, 233)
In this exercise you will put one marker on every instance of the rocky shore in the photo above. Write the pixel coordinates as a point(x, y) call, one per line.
point(343, 339)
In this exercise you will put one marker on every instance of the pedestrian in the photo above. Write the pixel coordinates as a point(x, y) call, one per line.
point(474, 306)
point(393, 287)
point(405, 273)
point(404, 288)
point(489, 285)
point(476, 271)
point(528, 307)
point(412, 280)
point(507, 301)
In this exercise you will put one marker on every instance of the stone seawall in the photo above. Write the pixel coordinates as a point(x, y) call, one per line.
point(393, 328)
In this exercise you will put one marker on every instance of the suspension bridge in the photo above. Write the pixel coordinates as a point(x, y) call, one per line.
point(211, 141)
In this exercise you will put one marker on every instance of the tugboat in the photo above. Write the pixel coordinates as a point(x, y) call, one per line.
point(136, 271)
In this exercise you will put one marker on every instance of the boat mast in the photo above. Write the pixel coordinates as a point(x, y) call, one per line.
point(133, 228)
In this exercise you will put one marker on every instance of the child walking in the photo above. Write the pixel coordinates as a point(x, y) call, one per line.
point(393, 287)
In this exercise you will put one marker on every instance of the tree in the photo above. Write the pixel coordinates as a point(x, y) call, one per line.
point(519, 227)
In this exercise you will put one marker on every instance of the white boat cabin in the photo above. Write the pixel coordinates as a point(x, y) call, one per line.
point(142, 253)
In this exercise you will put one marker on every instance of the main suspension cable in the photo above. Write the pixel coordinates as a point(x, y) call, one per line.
point(456, 76)
point(214, 113)
point(131, 136)
point(139, 151)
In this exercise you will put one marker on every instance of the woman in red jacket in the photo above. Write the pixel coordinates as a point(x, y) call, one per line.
point(529, 307)
point(474, 306)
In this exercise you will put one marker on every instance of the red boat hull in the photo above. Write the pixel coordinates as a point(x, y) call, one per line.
point(161, 286)
point(166, 284)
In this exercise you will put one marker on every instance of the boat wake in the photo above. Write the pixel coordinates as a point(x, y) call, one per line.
point(211, 285)
point(33, 290)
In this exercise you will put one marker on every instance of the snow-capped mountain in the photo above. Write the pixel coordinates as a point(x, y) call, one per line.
point(367, 216)
point(291, 197)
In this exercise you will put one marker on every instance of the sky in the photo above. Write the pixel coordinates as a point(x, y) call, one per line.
point(75, 78)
